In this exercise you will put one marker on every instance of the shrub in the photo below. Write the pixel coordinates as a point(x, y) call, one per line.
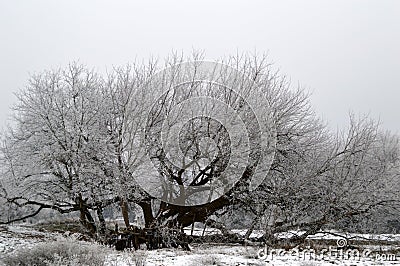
point(208, 260)
point(65, 252)
point(137, 258)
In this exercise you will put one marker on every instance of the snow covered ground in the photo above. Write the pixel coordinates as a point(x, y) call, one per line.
point(13, 238)
point(237, 255)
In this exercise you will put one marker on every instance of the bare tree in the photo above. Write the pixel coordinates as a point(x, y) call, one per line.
point(47, 155)
point(346, 176)
point(190, 142)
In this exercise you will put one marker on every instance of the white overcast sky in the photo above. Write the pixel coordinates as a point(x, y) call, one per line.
point(346, 52)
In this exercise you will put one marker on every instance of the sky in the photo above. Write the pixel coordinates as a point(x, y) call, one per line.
point(345, 52)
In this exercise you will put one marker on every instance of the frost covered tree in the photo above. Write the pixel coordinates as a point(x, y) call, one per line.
point(48, 156)
point(190, 141)
point(346, 176)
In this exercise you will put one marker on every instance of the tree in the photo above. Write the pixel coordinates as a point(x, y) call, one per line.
point(191, 142)
point(49, 154)
point(349, 176)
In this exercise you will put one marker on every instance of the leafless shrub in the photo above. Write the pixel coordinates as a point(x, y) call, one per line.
point(65, 252)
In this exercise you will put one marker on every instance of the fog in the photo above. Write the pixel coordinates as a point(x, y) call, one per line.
point(346, 53)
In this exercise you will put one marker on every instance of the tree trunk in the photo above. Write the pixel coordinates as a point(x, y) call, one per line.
point(186, 215)
point(250, 230)
point(91, 223)
point(85, 217)
point(102, 221)
point(125, 212)
point(147, 212)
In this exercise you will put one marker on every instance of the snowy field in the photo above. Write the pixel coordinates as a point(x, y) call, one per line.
point(14, 238)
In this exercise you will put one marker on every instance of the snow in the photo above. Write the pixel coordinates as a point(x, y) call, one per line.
point(199, 231)
point(233, 255)
point(15, 237)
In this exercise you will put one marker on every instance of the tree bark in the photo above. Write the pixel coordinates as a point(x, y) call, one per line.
point(86, 218)
point(102, 221)
point(250, 230)
point(147, 212)
point(186, 215)
point(125, 212)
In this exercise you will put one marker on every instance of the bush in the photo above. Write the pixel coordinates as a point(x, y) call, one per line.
point(208, 260)
point(137, 258)
point(57, 253)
